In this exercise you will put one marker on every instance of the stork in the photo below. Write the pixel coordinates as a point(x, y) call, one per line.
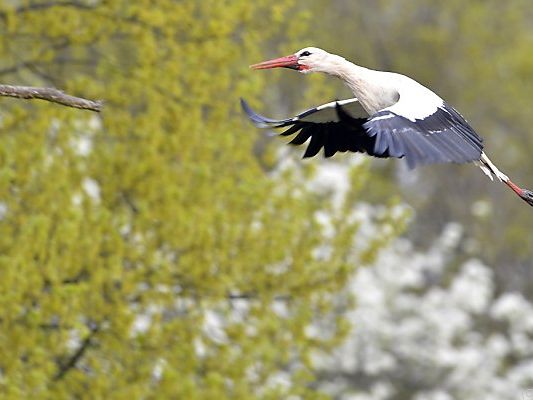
point(391, 115)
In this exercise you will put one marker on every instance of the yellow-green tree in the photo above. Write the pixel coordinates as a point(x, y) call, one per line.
point(146, 252)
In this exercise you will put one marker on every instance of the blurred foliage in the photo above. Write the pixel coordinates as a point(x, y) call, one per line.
point(147, 252)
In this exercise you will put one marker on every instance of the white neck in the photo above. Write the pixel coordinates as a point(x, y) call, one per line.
point(354, 76)
point(372, 91)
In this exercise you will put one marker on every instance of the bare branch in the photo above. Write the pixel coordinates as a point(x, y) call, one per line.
point(65, 367)
point(44, 6)
point(50, 94)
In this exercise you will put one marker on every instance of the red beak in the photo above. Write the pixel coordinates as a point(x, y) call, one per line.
point(284, 62)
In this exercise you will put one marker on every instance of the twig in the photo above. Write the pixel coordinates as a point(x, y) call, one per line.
point(50, 94)
point(44, 6)
point(64, 368)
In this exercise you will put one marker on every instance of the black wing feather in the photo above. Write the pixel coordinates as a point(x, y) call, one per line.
point(302, 137)
point(293, 129)
point(316, 143)
point(443, 136)
point(345, 133)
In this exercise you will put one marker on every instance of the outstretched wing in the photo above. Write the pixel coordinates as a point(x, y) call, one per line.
point(424, 129)
point(335, 127)
point(420, 126)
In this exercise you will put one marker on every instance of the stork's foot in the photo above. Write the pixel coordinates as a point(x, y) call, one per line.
point(527, 195)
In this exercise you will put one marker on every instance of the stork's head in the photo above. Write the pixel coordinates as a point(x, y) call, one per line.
point(309, 59)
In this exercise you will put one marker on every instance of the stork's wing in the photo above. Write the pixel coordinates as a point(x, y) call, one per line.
point(420, 127)
point(335, 126)
point(433, 132)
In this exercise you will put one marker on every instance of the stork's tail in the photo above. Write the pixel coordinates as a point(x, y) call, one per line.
point(490, 169)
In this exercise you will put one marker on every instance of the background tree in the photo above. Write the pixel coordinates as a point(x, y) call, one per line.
point(162, 250)
point(146, 252)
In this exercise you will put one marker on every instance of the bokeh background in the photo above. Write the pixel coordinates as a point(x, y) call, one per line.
point(167, 249)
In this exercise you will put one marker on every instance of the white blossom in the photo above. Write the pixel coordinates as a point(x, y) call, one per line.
point(428, 328)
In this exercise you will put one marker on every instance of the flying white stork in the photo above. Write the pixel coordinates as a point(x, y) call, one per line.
point(391, 115)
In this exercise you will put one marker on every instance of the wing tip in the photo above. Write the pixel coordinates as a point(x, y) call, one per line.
point(259, 120)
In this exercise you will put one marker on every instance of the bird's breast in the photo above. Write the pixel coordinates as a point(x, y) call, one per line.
point(376, 98)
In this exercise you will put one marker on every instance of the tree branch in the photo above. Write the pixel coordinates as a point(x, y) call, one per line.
point(50, 94)
point(51, 4)
point(44, 6)
point(65, 367)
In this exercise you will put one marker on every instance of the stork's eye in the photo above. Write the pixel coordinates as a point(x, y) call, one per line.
point(305, 54)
